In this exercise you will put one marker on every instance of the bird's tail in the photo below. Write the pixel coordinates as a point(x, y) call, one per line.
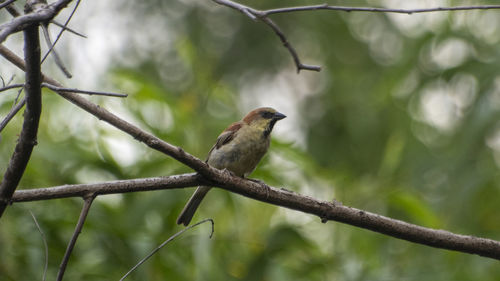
point(191, 206)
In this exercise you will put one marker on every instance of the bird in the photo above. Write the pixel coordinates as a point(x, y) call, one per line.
point(239, 148)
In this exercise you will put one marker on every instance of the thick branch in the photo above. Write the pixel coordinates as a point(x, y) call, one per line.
point(112, 187)
point(282, 197)
point(323, 209)
point(28, 137)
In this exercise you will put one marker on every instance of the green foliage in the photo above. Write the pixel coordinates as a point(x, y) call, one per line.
point(402, 121)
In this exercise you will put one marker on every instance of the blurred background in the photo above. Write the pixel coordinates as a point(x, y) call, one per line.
point(403, 121)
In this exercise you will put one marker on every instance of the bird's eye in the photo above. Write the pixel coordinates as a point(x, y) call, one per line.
point(267, 114)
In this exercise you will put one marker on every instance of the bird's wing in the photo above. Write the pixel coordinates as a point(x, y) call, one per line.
point(226, 136)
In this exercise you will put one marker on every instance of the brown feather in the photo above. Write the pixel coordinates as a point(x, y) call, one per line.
point(256, 114)
point(226, 136)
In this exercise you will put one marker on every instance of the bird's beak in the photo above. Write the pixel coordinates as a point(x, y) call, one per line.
point(278, 116)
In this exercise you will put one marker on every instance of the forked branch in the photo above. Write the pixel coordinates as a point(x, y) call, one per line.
point(263, 15)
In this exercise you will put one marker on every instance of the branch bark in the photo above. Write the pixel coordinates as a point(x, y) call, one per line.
point(42, 14)
point(281, 197)
point(28, 137)
point(111, 187)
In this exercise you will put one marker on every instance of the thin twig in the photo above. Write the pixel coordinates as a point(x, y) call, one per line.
point(61, 89)
point(165, 243)
point(11, 79)
point(13, 111)
point(44, 244)
point(68, 29)
point(78, 229)
point(28, 136)
point(21, 22)
point(62, 30)
point(375, 10)
point(5, 88)
point(290, 48)
point(6, 3)
point(8, 83)
point(110, 187)
point(256, 14)
point(13, 10)
point(52, 50)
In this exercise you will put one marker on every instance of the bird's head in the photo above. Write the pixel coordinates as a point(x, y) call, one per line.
point(263, 119)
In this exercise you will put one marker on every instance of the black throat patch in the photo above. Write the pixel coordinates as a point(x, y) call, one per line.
point(269, 128)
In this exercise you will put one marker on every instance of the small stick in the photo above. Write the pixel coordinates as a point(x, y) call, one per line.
point(165, 243)
point(78, 229)
point(61, 89)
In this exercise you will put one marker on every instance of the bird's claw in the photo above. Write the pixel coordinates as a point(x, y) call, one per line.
point(228, 172)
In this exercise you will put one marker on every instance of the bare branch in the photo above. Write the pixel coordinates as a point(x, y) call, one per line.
point(6, 3)
point(256, 14)
point(42, 14)
point(53, 51)
point(78, 229)
point(13, 86)
point(61, 89)
point(376, 10)
point(111, 187)
point(281, 197)
point(68, 29)
point(56, 57)
point(165, 243)
point(13, 111)
point(12, 10)
point(28, 137)
point(13, 58)
point(290, 48)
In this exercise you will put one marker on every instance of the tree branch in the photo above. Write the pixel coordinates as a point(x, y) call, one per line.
point(281, 197)
point(170, 239)
point(13, 86)
point(323, 209)
point(256, 14)
point(262, 15)
point(111, 187)
point(78, 91)
point(41, 14)
point(28, 137)
point(13, 111)
point(375, 10)
point(88, 199)
point(6, 3)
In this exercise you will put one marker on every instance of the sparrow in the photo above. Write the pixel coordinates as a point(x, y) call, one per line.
point(238, 149)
